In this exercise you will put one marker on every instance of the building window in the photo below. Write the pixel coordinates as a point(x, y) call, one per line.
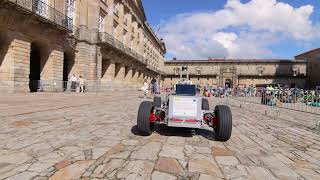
point(70, 8)
point(260, 70)
point(101, 22)
point(114, 29)
point(295, 71)
point(131, 42)
point(176, 71)
point(41, 7)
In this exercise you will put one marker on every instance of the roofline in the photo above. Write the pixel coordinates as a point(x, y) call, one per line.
point(237, 61)
point(308, 52)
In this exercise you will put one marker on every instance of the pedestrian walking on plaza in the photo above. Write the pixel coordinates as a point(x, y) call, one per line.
point(81, 84)
point(73, 80)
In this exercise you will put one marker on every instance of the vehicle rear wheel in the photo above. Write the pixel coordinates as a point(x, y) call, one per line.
point(205, 104)
point(157, 102)
point(223, 128)
point(143, 121)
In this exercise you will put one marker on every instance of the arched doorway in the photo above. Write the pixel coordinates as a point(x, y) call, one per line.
point(4, 47)
point(68, 63)
point(35, 65)
point(228, 83)
point(39, 55)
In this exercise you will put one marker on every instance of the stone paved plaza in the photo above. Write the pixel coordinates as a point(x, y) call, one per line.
point(93, 136)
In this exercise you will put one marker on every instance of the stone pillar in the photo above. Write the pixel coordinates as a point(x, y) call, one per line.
point(83, 12)
point(17, 65)
point(109, 73)
point(52, 69)
point(128, 75)
point(57, 65)
point(120, 72)
point(87, 61)
point(99, 64)
point(135, 78)
point(94, 66)
point(140, 76)
point(93, 14)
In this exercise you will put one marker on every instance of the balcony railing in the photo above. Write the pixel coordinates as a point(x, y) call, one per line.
point(45, 11)
point(105, 37)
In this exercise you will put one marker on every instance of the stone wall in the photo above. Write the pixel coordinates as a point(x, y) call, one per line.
point(61, 53)
point(313, 67)
point(239, 72)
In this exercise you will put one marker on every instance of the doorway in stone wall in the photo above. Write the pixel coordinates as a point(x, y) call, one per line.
point(4, 47)
point(35, 67)
point(68, 63)
point(228, 83)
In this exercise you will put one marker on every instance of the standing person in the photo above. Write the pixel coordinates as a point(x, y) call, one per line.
point(153, 86)
point(81, 83)
point(254, 91)
point(73, 80)
point(145, 88)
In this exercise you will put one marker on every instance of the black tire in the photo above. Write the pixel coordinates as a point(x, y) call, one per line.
point(157, 102)
point(143, 122)
point(205, 104)
point(224, 123)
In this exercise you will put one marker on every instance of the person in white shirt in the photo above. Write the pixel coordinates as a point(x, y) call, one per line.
point(73, 80)
point(81, 83)
point(145, 88)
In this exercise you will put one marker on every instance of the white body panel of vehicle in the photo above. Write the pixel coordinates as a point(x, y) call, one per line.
point(185, 111)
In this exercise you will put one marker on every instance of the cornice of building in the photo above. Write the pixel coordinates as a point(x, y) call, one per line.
point(308, 53)
point(235, 61)
point(153, 34)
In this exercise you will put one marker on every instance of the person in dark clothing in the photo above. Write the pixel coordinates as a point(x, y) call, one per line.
point(153, 86)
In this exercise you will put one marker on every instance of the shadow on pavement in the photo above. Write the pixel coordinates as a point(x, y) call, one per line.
point(175, 131)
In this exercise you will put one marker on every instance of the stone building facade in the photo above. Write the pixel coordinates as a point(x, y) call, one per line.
point(105, 41)
point(243, 73)
point(313, 67)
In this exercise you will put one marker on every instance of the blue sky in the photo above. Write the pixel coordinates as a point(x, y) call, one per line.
point(247, 38)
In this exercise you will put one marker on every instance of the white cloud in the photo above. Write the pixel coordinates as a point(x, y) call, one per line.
point(239, 30)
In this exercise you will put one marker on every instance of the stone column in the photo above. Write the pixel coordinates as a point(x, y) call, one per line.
point(120, 72)
point(87, 60)
point(99, 64)
point(135, 78)
point(52, 71)
point(18, 58)
point(128, 75)
point(140, 76)
point(109, 74)
point(83, 12)
point(93, 14)
point(109, 17)
point(57, 65)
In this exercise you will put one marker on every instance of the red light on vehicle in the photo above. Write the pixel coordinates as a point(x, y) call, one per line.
point(191, 121)
point(176, 120)
point(152, 117)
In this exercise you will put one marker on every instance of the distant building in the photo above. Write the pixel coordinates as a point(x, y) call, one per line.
point(239, 72)
point(313, 67)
